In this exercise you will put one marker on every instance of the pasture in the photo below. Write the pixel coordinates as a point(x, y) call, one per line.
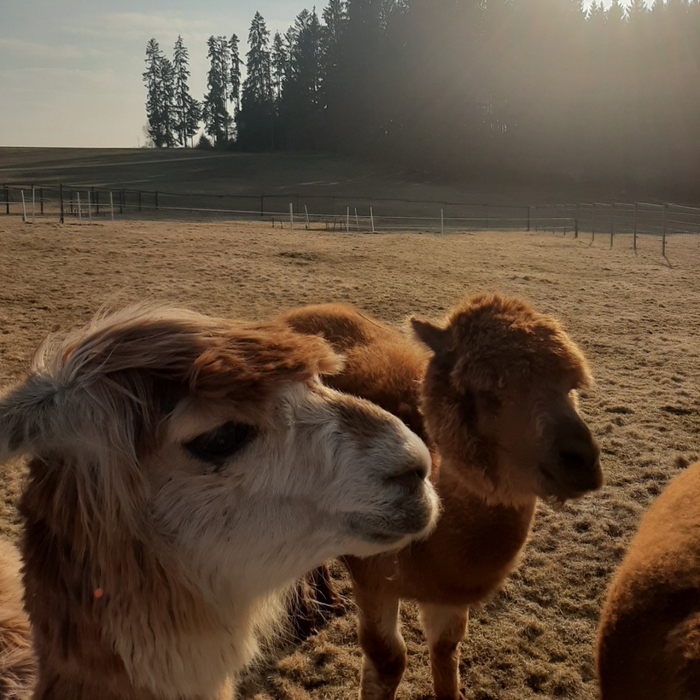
point(184, 171)
point(637, 317)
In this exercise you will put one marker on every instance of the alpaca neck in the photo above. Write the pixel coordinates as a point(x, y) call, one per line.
point(473, 548)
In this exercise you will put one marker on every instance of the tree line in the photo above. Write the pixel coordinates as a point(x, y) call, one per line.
point(506, 86)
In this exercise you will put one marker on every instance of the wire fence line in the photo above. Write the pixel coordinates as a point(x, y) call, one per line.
point(352, 214)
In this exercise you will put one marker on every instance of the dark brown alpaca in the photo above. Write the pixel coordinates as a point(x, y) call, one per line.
point(494, 396)
point(649, 633)
point(183, 472)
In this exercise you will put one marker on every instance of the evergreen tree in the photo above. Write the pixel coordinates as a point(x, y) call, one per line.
point(235, 75)
point(188, 111)
point(299, 105)
point(156, 108)
point(217, 119)
point(169, 111)
point(636, 11)
point(280, 59)
point(255, 118)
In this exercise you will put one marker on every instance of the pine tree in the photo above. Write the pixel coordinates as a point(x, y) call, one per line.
point(299, 103)
point(155, 108)
point(258, 84)
point(235, 73)
point(188, 111)
point(217, 119)
point(255, 119)
point(169, 110)
point(636, 10)
point(280, 59)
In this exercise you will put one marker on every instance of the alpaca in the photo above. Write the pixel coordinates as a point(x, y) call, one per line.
point(493, 393)
point(17, 667)
point(183, 471)
point(649, 633)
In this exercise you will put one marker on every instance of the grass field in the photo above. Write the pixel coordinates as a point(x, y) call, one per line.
point(636, 316)
point(204, 172)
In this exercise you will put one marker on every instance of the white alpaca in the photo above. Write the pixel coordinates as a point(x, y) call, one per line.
point(183, 471)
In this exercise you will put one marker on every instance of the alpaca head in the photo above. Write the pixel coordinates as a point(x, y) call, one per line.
point(187, 467)
point(499, 399)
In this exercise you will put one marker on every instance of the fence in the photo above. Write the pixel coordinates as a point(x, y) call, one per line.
point(353, 213)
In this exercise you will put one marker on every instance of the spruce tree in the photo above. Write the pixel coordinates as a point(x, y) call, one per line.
point(169, 111)
point(188, 111)
point(217, 119)
point(235, 73)
point(155, 108)
point(255, 118)
point(279, 58)
point(299, 105)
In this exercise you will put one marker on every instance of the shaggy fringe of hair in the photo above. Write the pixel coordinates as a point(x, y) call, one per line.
point(17, 661)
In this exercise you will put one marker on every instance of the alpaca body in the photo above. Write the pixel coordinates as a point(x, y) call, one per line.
point(183, 472)
point(649, 633)
point(496, 403)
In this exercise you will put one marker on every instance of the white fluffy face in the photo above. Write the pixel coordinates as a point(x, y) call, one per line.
point(254, 498)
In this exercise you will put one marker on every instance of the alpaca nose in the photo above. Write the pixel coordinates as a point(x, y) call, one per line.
point(579, 456)
point(413, 478)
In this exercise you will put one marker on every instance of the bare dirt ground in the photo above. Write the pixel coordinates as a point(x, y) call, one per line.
point(636, 316)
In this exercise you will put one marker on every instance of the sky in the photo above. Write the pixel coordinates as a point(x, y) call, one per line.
point(70, 71)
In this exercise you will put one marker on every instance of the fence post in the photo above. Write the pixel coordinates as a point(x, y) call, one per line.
point(262, 205)
point(41, 201)
point(60, 196)
point(80, 213)
point(576, 222)
point(96, 197)
point(24, 210)
point(634, 237)
point(122, 201)
point(593, 224)
point(612, 224)
point(291, 217)
point(111, 205)
point(442, 221)
point(139, 200)
point(89, 208)
point(347, 221)
point(663, 245)
point(156, 200)
point(306, 211)
point(371, 216)
point(33, 197)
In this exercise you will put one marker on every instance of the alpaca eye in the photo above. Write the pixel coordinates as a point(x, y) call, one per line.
point(219, 445)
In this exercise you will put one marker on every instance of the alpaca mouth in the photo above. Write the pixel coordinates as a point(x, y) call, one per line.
point(565, 485)
point(407, 525)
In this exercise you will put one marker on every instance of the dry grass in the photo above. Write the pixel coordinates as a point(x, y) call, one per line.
point(637, 318)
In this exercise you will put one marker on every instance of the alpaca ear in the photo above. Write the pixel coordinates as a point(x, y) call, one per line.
point(439, 340)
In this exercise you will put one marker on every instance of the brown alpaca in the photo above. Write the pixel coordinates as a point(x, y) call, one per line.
point(183, 472)
point(649, 633)
point(496, 402)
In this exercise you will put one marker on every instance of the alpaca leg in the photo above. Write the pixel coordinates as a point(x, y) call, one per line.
point(384, 650)
point(444, 627)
